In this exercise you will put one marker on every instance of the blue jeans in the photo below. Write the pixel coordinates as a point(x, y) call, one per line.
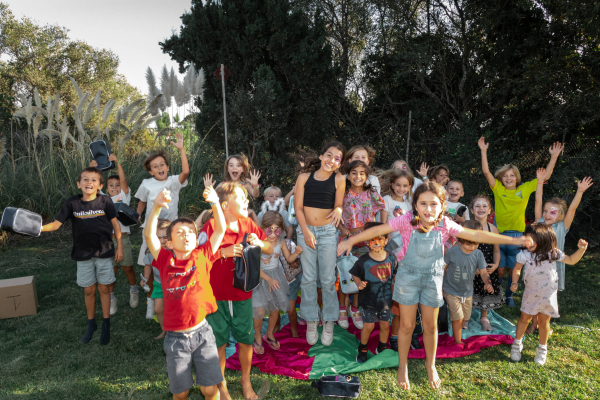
point(319, 264)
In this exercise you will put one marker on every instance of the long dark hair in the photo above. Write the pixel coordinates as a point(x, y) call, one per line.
point(546, 247)
point(435, 188)
point(312, 161)
point(353, 165)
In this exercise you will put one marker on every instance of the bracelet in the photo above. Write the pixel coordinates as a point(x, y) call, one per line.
point(514, 283)
point(425, 177)
point(212, 203)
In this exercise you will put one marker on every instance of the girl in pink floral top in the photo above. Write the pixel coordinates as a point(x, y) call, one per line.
point(361, 204)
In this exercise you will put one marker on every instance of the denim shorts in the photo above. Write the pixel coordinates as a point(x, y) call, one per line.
point(198, 348)
point(370, 315)
point(95, 270)
point(414, 287)
point(508, 252)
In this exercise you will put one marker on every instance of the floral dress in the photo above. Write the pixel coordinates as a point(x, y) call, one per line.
point(541, 285)
point(358, 209)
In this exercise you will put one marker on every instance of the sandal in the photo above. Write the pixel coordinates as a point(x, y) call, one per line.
point(273, 343)
point(258, 348)
point(343, 319)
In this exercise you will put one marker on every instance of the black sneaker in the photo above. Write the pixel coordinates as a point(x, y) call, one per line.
point(414, 343)
point(361, 357)
point(394, 343)
point(381, 348)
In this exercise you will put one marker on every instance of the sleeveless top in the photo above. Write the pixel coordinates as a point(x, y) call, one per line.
point(487, 249)
point(319, 194)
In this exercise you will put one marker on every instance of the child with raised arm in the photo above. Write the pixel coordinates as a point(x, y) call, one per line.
point(157, 165)
point(463, 263)
point(94, 219)
point(118, 190)
point(235, 305)
point(374, 273)
point(185, 270)
point(554, 212)
point(510, 199)
point(424, 232)
point(541, 285)
point(237, 169)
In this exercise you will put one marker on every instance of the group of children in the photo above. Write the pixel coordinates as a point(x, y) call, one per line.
point(416, 247)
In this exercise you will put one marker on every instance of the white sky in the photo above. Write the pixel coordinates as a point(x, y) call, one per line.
point(130, 28)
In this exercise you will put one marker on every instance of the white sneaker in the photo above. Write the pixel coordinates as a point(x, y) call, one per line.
point(312, 334)
point(343, 319)
point(356, 317)
point(134, 298)
point(113, 305)
point(150, 309)
point(327, 335)
point(515, 351)
point(540, 355)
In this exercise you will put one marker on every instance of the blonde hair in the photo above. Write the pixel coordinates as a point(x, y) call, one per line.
point(391, 176)
point(560, 203)
point(245, 165)
point(367, 148)
point(269, 189)
point(393, 166)
point(503, 170)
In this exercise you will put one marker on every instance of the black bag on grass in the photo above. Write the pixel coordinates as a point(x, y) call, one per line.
point(21, 221)
point(247, 267)
point(338, 386)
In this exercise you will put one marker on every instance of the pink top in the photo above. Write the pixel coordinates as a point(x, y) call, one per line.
point(360, 208)
point(402, 225)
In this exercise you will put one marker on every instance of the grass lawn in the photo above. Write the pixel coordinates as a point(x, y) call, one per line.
point(43, 358)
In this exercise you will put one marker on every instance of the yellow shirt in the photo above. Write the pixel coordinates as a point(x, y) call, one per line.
point(511, 205)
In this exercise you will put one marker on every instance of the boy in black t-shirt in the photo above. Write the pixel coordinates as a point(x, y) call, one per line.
point(94, 218)
point(374, 273)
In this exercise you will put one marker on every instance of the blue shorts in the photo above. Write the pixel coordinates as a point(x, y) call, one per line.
point(508, 252)
point(415, 287)
point(295, 287)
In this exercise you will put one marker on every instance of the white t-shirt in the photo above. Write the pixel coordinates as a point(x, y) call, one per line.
point(390, 206)
point(150, 188)
point(417, 183)
point(122, 198)
point(453, 208)
point(374, 181)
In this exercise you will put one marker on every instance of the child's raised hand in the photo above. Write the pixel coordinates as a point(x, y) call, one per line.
point(541, 174)
point(555, 149)
point(210, 195)
point(482, 144)
point(208, 180)
point(584, 184)
point(582, 244)
point(179, 143)
point(361, 285)
point(112, 157)
point(94, 164)
point(163, 199)
point(273, 285)
point(423, 170)
point(253, 179)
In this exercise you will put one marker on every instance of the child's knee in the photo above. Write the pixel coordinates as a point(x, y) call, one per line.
point(368, 327)
point(384, 325)
point(525, 317)
point(89, 290)
point(183, 395)
point(103, 289)
point(209, 391)
point(407, 326)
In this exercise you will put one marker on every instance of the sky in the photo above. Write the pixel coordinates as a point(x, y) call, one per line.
point(130, 28)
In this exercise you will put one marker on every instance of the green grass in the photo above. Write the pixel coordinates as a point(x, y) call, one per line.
point(42, 356)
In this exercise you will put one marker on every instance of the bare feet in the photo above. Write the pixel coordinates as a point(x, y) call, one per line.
point(162, 335)
point(458, 342)
point(434, 379)
point(248, 391)
point(223, 392)
point(403, 377)
point(295, 332)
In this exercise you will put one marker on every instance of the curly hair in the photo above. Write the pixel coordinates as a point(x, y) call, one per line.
point(154, 156)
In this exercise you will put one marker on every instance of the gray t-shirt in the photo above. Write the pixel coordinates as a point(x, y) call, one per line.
point(148, 259)
point(458, 280)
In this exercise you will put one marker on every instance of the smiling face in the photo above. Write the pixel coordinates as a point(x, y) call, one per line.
point(159, 169)
point(455, 191)
point(272, 195)
point(235, 169)
point(481, 209)
point(360, 155)
point(377, 244)
point(509, 180)
point(89, 183)
point(237, 204)
point(273, 232)
point(429, 208)
point(183, 237)
point(331, 159)
point(552, 214)
point(113, 187)
point(400, 165)
point(401, 187)
point(357, 177)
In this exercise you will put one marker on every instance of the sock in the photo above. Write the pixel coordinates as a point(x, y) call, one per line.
point(362, 348)
point(543, 346)
point(395, 337)
point(518, 341)
point(112, 295)
point(354, 309)
point(133, 289)
point(105, 335)
point(91, 328)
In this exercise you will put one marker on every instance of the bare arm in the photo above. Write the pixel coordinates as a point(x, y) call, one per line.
point(290, 257)
point(575, 257)
point(379, 230)
point(287, 196)
point(582, 186)
point(489, 237)
point(555, 150)
point(359, 282)
point(340, 189)
point(140, 208)
point(52, 226)
point(147, 272)
point(515, 276)
point(384, 216)
point(539, 193)
point(299, 208)
point(162, 200)
point(121, 171)
point(117, 232)
point(185, 166)
point(484, 162)
point(210, 195)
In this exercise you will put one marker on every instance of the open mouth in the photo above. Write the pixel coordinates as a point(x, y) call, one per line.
point(234, 175)
point(89, 187)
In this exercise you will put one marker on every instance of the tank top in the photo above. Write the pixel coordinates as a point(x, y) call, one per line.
point(487, 249)
point(319, 194)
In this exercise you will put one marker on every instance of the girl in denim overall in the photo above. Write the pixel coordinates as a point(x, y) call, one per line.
point(318, 205)
point(420, 273)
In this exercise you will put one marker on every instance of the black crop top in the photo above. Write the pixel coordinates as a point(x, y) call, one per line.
point(319, 194)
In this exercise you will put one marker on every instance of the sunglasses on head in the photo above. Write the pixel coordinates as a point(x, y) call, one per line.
point(275, 232)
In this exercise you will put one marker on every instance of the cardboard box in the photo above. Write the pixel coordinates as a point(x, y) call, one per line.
point(18, 297)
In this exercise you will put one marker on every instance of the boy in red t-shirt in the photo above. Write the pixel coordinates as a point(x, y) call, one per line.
point(185, 275)
point(235, 305)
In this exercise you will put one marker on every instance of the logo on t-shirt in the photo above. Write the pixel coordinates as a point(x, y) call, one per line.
point(519, 194)
point(381, 271)
point(88, 214)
